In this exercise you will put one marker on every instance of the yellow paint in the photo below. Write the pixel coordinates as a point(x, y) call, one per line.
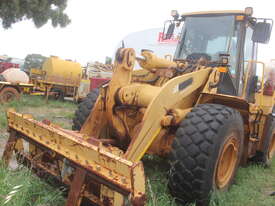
point(35, 71)
point(214, 12)
point(168, 96)
point(150, 142)
point(239, 18)
point(126, 175)
point(62, 71)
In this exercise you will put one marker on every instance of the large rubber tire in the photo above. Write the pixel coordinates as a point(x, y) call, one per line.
point(84, 109)
point(268, 151)
point(197, 151)
point(8, 94)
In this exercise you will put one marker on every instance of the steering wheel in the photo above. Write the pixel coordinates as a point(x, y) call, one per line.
point(197, 56)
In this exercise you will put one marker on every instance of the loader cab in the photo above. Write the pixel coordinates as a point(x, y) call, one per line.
point(235, 34)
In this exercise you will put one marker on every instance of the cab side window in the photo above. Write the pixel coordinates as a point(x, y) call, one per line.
point(250, 53)
point(248, 46)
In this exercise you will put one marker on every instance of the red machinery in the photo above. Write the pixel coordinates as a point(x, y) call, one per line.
point(95, 82)
point(4, 65)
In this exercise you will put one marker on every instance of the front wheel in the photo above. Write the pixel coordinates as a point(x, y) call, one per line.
point(205, 153)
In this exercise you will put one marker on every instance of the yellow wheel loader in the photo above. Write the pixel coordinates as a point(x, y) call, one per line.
point(206, 111)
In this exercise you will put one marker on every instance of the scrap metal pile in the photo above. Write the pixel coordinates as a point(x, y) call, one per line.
point(97, 69)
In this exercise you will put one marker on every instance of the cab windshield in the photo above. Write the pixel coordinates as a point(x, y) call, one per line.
point(210, 35)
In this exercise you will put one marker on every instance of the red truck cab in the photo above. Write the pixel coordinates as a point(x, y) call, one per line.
point(4, 65)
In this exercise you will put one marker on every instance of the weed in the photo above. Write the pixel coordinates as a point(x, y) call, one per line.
point(252, 187)
point(21, 188)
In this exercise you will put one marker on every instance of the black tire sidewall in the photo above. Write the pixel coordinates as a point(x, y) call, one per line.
point(84, 109)
point(231, 123)
point(224, 135)
point(267, 140)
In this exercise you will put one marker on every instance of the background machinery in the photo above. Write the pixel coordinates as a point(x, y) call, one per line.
point(64, 78)
point(13, 82)
point(6, 63)
point(61, 78)
point(206, 111)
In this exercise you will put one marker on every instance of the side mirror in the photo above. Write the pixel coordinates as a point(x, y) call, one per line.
point(170, 31)
point(262, 32)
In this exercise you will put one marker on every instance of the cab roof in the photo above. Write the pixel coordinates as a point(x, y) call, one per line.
point(223, 12)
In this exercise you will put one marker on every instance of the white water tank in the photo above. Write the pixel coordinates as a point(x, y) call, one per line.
point(15, 75)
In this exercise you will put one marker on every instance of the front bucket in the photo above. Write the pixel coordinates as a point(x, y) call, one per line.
point(91, 170)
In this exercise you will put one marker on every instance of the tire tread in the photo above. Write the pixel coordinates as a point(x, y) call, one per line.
point(192, 149)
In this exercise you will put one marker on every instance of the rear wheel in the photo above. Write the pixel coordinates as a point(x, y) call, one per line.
point(84, 109)
point(268, 151)
point(205, 153)
point(271, 150)
point(8, 94)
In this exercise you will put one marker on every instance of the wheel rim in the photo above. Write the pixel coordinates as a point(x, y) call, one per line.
point(8, 96)
point(227, 162)
point(271, 150)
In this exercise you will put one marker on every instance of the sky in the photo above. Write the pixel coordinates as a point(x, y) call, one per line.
point(98, 26)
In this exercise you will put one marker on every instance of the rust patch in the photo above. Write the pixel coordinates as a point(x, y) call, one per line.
point(107, 201)
point(77, 187)
point(139, 200)
point(46, 121)
point(52, 164)
point(10, 146)
point(96, 142)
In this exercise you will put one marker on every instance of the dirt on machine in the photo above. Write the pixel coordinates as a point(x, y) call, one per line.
point(206, 111)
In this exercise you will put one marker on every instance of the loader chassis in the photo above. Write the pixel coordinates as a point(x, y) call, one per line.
point(152, 111)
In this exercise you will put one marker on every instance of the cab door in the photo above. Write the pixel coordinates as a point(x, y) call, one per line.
point(249, 67)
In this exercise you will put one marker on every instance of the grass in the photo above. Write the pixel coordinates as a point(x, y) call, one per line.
point(59, 112)
point(21, 188)
point(156, 169)
point(252, 187)
point(32, 190)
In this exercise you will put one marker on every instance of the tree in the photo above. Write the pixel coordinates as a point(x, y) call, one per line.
point(108, 60)
point(40, 11)
point(33, 61)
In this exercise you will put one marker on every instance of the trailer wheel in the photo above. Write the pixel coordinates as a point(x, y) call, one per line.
point(8, 94)
point(205, 153)
point(84, 109)
point(59, 94)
